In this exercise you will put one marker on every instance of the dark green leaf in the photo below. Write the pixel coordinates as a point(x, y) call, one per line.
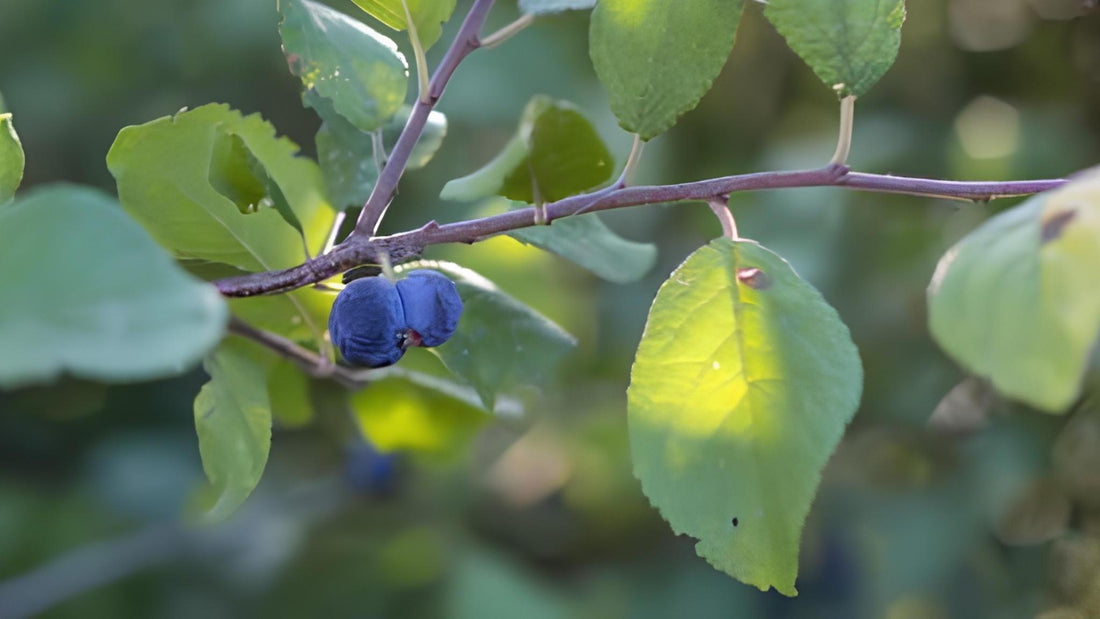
point(431, 139)
point(556, 153)
point(849, 44)
point(88, 293)
point(741, 389)
point(659, 57)
point(500, 343)
point(586, 240)
point(347, 155)
point(358, 70)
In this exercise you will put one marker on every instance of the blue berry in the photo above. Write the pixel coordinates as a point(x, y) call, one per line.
point(367, 323)
point(432, 307)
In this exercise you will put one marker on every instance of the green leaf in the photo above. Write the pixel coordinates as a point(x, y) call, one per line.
point(587, 241)
point(544, 7)
point(556, 153)
point(237, 174)
point(344, 61)
point(346, 154)
point(12, 159)
point(288, 392)
point(849, 44)
point(657, 58)
point(492, 179)
point(1016, 301)
point(403, 410)
point(233, 423)
point(741, 389)
point(428, 15)
point(209, 206)
point(348, 164)
point(431, 139)
point(87, 292)
point(500, 343)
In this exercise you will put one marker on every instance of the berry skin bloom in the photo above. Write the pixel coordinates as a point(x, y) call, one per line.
point(367, 323)
point(432, 306)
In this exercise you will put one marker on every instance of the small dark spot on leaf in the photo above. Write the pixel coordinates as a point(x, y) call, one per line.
point(1053, 225)
point(754, 278)
point(735, 521)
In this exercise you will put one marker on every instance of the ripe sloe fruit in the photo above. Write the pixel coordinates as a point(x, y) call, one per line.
point(367, 323)
point(432, 306)
point(374, 321)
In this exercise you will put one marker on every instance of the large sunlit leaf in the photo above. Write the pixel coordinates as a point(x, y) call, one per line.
point(500, 343)
point(543, 7)
point(209, 205)
point(86, 292)
point(741, 389)
point(358, 70)
point(1017, 300)
point(555, 153)
point(233, 423)
point(11, 158)
point(657, 58)
point(849, 44)
point(428, 15)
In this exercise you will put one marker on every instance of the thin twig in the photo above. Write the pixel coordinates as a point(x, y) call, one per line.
point(407, 245)
point(465, 42)
point(310, 362)
point(507, 32)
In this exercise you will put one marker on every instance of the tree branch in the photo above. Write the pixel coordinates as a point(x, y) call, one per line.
point(359, 250)
point(310, 362)
point(465, 42)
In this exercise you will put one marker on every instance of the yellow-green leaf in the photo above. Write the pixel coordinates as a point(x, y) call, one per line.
point(1017, 300)
point(428, 15)
point(741, 389)
point(209, 206)
point(12, 159)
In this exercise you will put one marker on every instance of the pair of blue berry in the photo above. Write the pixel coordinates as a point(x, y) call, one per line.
point(374, 321)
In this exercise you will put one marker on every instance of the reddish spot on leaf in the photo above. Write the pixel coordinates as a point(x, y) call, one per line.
point(753, 278)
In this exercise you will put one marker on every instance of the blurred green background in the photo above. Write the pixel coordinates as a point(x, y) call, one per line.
point(992, 511)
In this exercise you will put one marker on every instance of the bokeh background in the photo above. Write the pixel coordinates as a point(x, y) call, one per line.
point(990, 510)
